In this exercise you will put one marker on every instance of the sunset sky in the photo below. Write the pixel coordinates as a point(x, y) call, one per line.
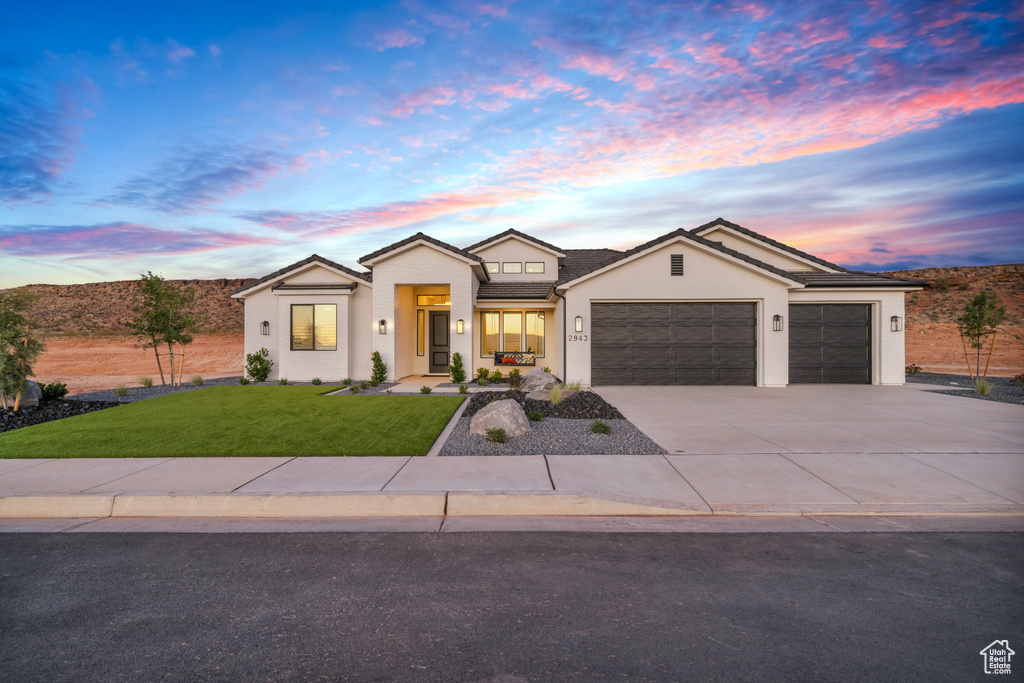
point(219, 140)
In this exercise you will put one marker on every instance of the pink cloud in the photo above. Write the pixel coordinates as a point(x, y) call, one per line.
point(397, 38)
point(179, 52)
point(492, 10)
point(423, 100)
point(886, 43)
point(215, 51)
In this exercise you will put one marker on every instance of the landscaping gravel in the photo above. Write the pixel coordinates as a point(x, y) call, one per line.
point(140, 393)
point(584, 405)
point(554, 436)
point(1002, 390)
point(47, 411)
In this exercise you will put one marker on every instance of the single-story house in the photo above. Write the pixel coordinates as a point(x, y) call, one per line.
point(719, 304)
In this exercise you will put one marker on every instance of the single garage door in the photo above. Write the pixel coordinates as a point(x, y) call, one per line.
point(673, 343)
point(830, 344)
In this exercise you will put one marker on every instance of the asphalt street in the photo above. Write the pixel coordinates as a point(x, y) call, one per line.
point(508, 607)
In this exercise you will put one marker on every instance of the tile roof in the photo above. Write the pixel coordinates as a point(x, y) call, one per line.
point(365, 277)
point(516, 233)
point(681, 232)
point(426, 238)
point(768, 240)
point(579, 262)
point(515, 290)
point(309, 286)
point(850, 278)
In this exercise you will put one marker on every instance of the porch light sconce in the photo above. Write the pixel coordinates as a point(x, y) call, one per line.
point(777, 323)
point(382, 326)
point(579, 323)
point(896, 323)
point(265, 327)
point(458, 326)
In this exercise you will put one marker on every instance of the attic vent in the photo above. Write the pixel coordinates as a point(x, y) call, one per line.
point(677, 264)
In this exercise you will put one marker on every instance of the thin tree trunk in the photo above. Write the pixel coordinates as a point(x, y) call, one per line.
point(967, 356)
point(990, 348)
point(21, 384)
point(181, 364)
point(170, 355)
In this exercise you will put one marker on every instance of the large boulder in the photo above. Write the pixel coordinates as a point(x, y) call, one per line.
point(545, 394)
point(506, 414)
point(30, 396)
point(536, 379)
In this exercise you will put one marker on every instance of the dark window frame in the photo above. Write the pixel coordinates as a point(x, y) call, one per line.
point(291, 327)
point(534, 272)
point(523, 335)
point(496, 267)
point(511, 263)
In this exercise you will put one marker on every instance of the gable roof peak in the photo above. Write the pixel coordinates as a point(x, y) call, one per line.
point(512, 232)
point(764, 239)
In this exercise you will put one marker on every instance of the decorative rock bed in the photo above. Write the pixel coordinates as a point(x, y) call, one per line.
point(586, 405)
point(1003, 391)
point(47, 411)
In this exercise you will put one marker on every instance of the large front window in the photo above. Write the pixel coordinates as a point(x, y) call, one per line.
point(488, 333)
point(511, 331)
point(314, 327)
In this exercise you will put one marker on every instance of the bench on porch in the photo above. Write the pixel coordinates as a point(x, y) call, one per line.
point(514, 358)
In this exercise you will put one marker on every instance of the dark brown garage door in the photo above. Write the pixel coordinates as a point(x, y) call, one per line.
point(829, 344)
point(673, 343)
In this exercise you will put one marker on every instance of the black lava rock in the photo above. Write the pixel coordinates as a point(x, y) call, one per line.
point(47, 411)
point(585, 405)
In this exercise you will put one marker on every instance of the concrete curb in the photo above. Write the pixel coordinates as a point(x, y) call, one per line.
point(56, 506)
point(562, 503)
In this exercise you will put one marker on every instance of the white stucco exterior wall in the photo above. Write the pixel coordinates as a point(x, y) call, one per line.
point(517, 251)
point(761, 252)
point(707, 277)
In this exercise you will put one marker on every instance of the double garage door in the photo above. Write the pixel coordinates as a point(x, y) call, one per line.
point(716, 343)
point(673, 343)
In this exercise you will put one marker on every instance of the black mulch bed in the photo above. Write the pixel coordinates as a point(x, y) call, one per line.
point(586, 405)
point(1003, 390)
point(48, 411)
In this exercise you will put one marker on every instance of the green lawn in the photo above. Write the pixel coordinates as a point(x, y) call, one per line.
point(242, 420)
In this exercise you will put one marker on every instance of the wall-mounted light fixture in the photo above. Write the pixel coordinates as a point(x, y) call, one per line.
point(896, 323)
point(265, 327)
point(777, 323)
point(459, 326)
point(579, 323)
point(382, 326)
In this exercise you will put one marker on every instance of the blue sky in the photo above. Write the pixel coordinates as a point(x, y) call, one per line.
point(228, 140)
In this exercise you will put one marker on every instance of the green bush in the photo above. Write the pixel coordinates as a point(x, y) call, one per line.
point(146, 381)
point(481, 382)
point(197, 380)
point(913, 369)
point(283, 381)
point(575, 386)
point(346, 382)
point(497, 435)
point(535, 415)
point(941, 283)
point(982, 386)
point(964, 286)
point(121, 390)
point(456, 371)
point(317, 382)
point(496, 376)
point(556, 394)
point(600, 427)
point(243, 380)
point(515, 377)
point(53, 392)
point(546, 369)
point(364, 385)
point(463, 389)
point(258, 365)
point(424, 390)
point(354, 388)
point(482, 373)
point(380, 368)
point(387, 391)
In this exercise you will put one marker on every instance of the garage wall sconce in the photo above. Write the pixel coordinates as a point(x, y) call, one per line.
point(896, 323)
point(265, 327)
point(382, 326)
point(777, 323)
point(579, 323)
point(459, 326)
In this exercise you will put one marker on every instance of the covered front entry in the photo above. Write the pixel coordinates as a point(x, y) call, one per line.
point(830, 343)
point(673, 343)
point(440, 341)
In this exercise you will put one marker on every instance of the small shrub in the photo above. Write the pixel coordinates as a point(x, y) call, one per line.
point(53, 392)
point(317, 382)
point(354, 388)
point(121, 391)
point(463, 389)
point(515, 377)
point(496, 376)
point(535, 415)
point(575, 386)
point(941, 283)
point(556, 395)
point(364, 385)
point(481, 381)
point(482, 373)
point(243, 380)
point(546, 369)
point(258, 365)
point(600, 427)
point(146, 381)
point(380, 368)
point(374, 383)
point(497, 435)
point(964, 286)
point(283, 381)
point(424, 390)
point(1018, 381)
point(913, 369)
point(346, 382)
point(456, 371)
point(197, 380)
point(982, 386)
point(387, 391)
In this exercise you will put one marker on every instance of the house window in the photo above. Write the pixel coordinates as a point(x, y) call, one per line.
point(488, 333)
point(434, 300)
point(535, 332)
point(513, 268)
point(493, 266)
point(421, 330)
point(314, 327)
point(534, 266)
point(512, 331)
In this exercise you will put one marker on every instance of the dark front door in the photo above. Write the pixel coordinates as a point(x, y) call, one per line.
point(673, 343)
point(829, 344)
point(439, 341)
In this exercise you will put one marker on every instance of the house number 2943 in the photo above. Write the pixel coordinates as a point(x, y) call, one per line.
point(577, 337)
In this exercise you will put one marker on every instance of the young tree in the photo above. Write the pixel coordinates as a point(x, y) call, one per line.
point(18, 348)
point(163, 314)
point(981, 317)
